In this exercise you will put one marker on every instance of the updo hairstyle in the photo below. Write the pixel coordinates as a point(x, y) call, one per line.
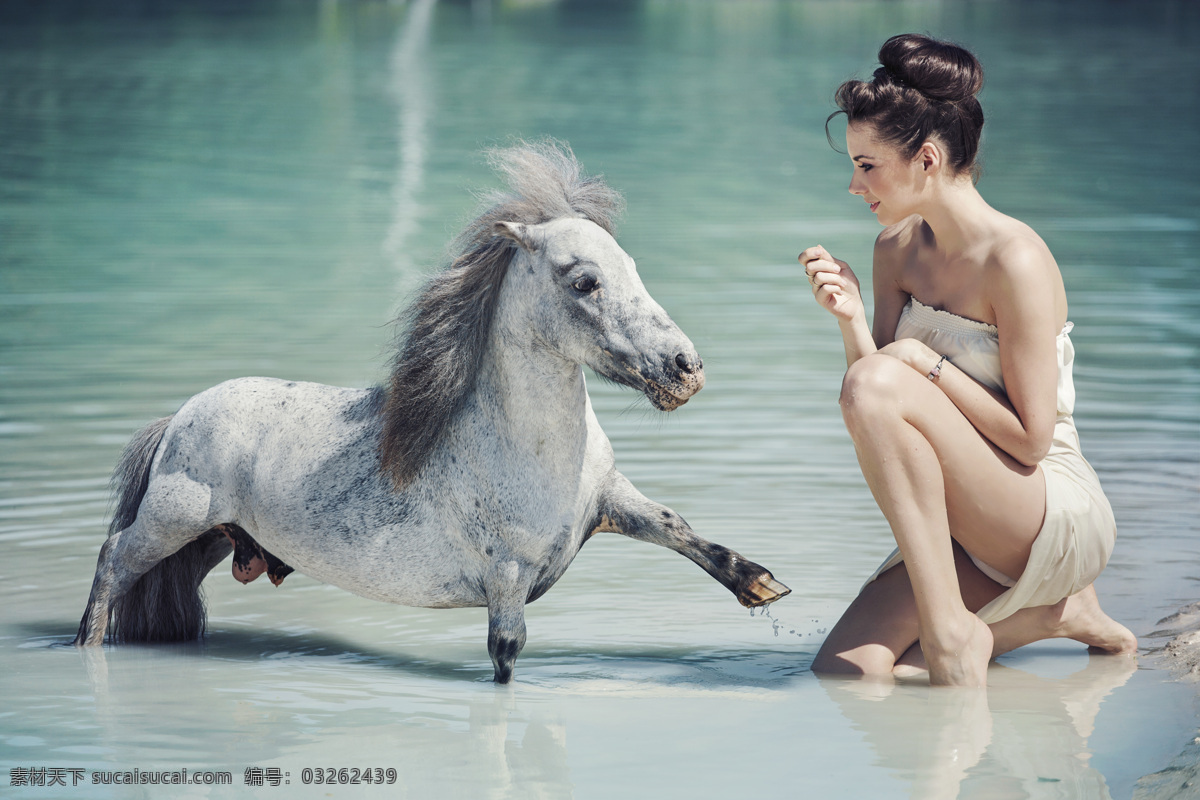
point(925, 89)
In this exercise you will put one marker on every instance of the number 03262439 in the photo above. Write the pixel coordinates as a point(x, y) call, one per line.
point(347, 775)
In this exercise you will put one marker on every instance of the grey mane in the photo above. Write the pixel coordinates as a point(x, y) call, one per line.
point(448, 326)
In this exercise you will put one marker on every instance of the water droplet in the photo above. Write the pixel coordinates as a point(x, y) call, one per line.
point(776, 624)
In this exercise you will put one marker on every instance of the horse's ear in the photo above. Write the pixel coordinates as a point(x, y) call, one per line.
point(516, 232)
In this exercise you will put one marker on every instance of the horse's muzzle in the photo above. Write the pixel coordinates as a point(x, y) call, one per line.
point(671, 394)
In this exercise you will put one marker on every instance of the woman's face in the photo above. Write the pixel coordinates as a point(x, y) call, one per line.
point(882, 176)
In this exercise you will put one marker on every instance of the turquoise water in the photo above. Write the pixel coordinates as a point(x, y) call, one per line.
point(192, 192)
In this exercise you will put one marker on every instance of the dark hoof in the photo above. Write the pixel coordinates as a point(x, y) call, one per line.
point(762, 591)
point(504, 651)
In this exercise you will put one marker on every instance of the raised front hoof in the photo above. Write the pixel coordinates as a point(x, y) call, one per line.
point(761, 591)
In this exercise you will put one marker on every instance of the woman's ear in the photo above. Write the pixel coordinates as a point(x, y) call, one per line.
point(930, 156)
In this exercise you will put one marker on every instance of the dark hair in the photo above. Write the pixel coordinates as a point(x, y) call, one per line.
point(924, 89)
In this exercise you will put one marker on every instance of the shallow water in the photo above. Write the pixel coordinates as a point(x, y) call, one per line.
point(200, 191)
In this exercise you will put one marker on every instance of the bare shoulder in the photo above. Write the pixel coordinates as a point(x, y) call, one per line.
point(895, 253)
point(1017, 251)
point(897, 245)
point(1019, 266)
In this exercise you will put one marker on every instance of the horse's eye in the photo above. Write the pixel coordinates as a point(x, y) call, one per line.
point(587, 284)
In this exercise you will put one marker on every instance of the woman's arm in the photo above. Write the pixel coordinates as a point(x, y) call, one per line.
point(1027, 296)
point(1023, 288)
point(836, 288)
point(892, 252)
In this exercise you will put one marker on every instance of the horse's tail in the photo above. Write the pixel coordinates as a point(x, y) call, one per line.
point(164, 604)
point(132, 475)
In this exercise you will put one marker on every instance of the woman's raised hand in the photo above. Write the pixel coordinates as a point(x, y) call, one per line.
point(833, 283)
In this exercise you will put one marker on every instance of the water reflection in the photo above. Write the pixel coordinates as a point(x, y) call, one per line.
point(410, 87)
point(293, 710)
point(531, 766)
point(1023, 732)
point(192, 191)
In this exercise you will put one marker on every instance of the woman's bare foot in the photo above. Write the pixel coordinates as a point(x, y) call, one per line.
point(1080, 617)
point(962, 657)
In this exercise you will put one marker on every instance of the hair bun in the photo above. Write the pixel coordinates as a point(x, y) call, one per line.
point(925, 89)
point(939, 70)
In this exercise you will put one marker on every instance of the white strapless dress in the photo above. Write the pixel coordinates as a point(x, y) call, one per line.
point(1079, 531)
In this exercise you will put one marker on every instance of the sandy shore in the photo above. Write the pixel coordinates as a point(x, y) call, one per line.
point(1180, 655)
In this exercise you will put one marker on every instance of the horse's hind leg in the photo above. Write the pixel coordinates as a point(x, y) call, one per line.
point(623, 509)
point(148, 575)
point(111, 580)
point(153, 597)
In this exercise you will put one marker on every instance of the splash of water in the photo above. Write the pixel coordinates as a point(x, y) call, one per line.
point(776, 624)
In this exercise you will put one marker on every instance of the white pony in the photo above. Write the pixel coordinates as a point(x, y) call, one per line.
point(472, 479)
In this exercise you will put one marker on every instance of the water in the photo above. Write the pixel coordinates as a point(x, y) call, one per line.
point(192, 192)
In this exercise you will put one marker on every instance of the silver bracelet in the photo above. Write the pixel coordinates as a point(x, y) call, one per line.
point(937, 368)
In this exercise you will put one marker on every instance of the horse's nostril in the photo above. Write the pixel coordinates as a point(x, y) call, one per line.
point(684, 364)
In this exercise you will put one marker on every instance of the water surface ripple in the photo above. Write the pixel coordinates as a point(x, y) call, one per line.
point(191, 192)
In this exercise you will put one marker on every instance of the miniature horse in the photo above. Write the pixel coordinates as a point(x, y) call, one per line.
point(471, 479)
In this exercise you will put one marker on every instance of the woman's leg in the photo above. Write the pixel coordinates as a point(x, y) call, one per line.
point(990, 502)
point(875, 631)
point(937, 480)
point(880, 629)
point(1077, 617)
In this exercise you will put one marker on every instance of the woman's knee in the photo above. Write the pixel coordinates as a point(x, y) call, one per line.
point(880, 625)
point(865, 660)
point(871, 389)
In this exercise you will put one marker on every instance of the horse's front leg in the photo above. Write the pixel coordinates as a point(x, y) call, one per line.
point(507, 590)
point(623, 509)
